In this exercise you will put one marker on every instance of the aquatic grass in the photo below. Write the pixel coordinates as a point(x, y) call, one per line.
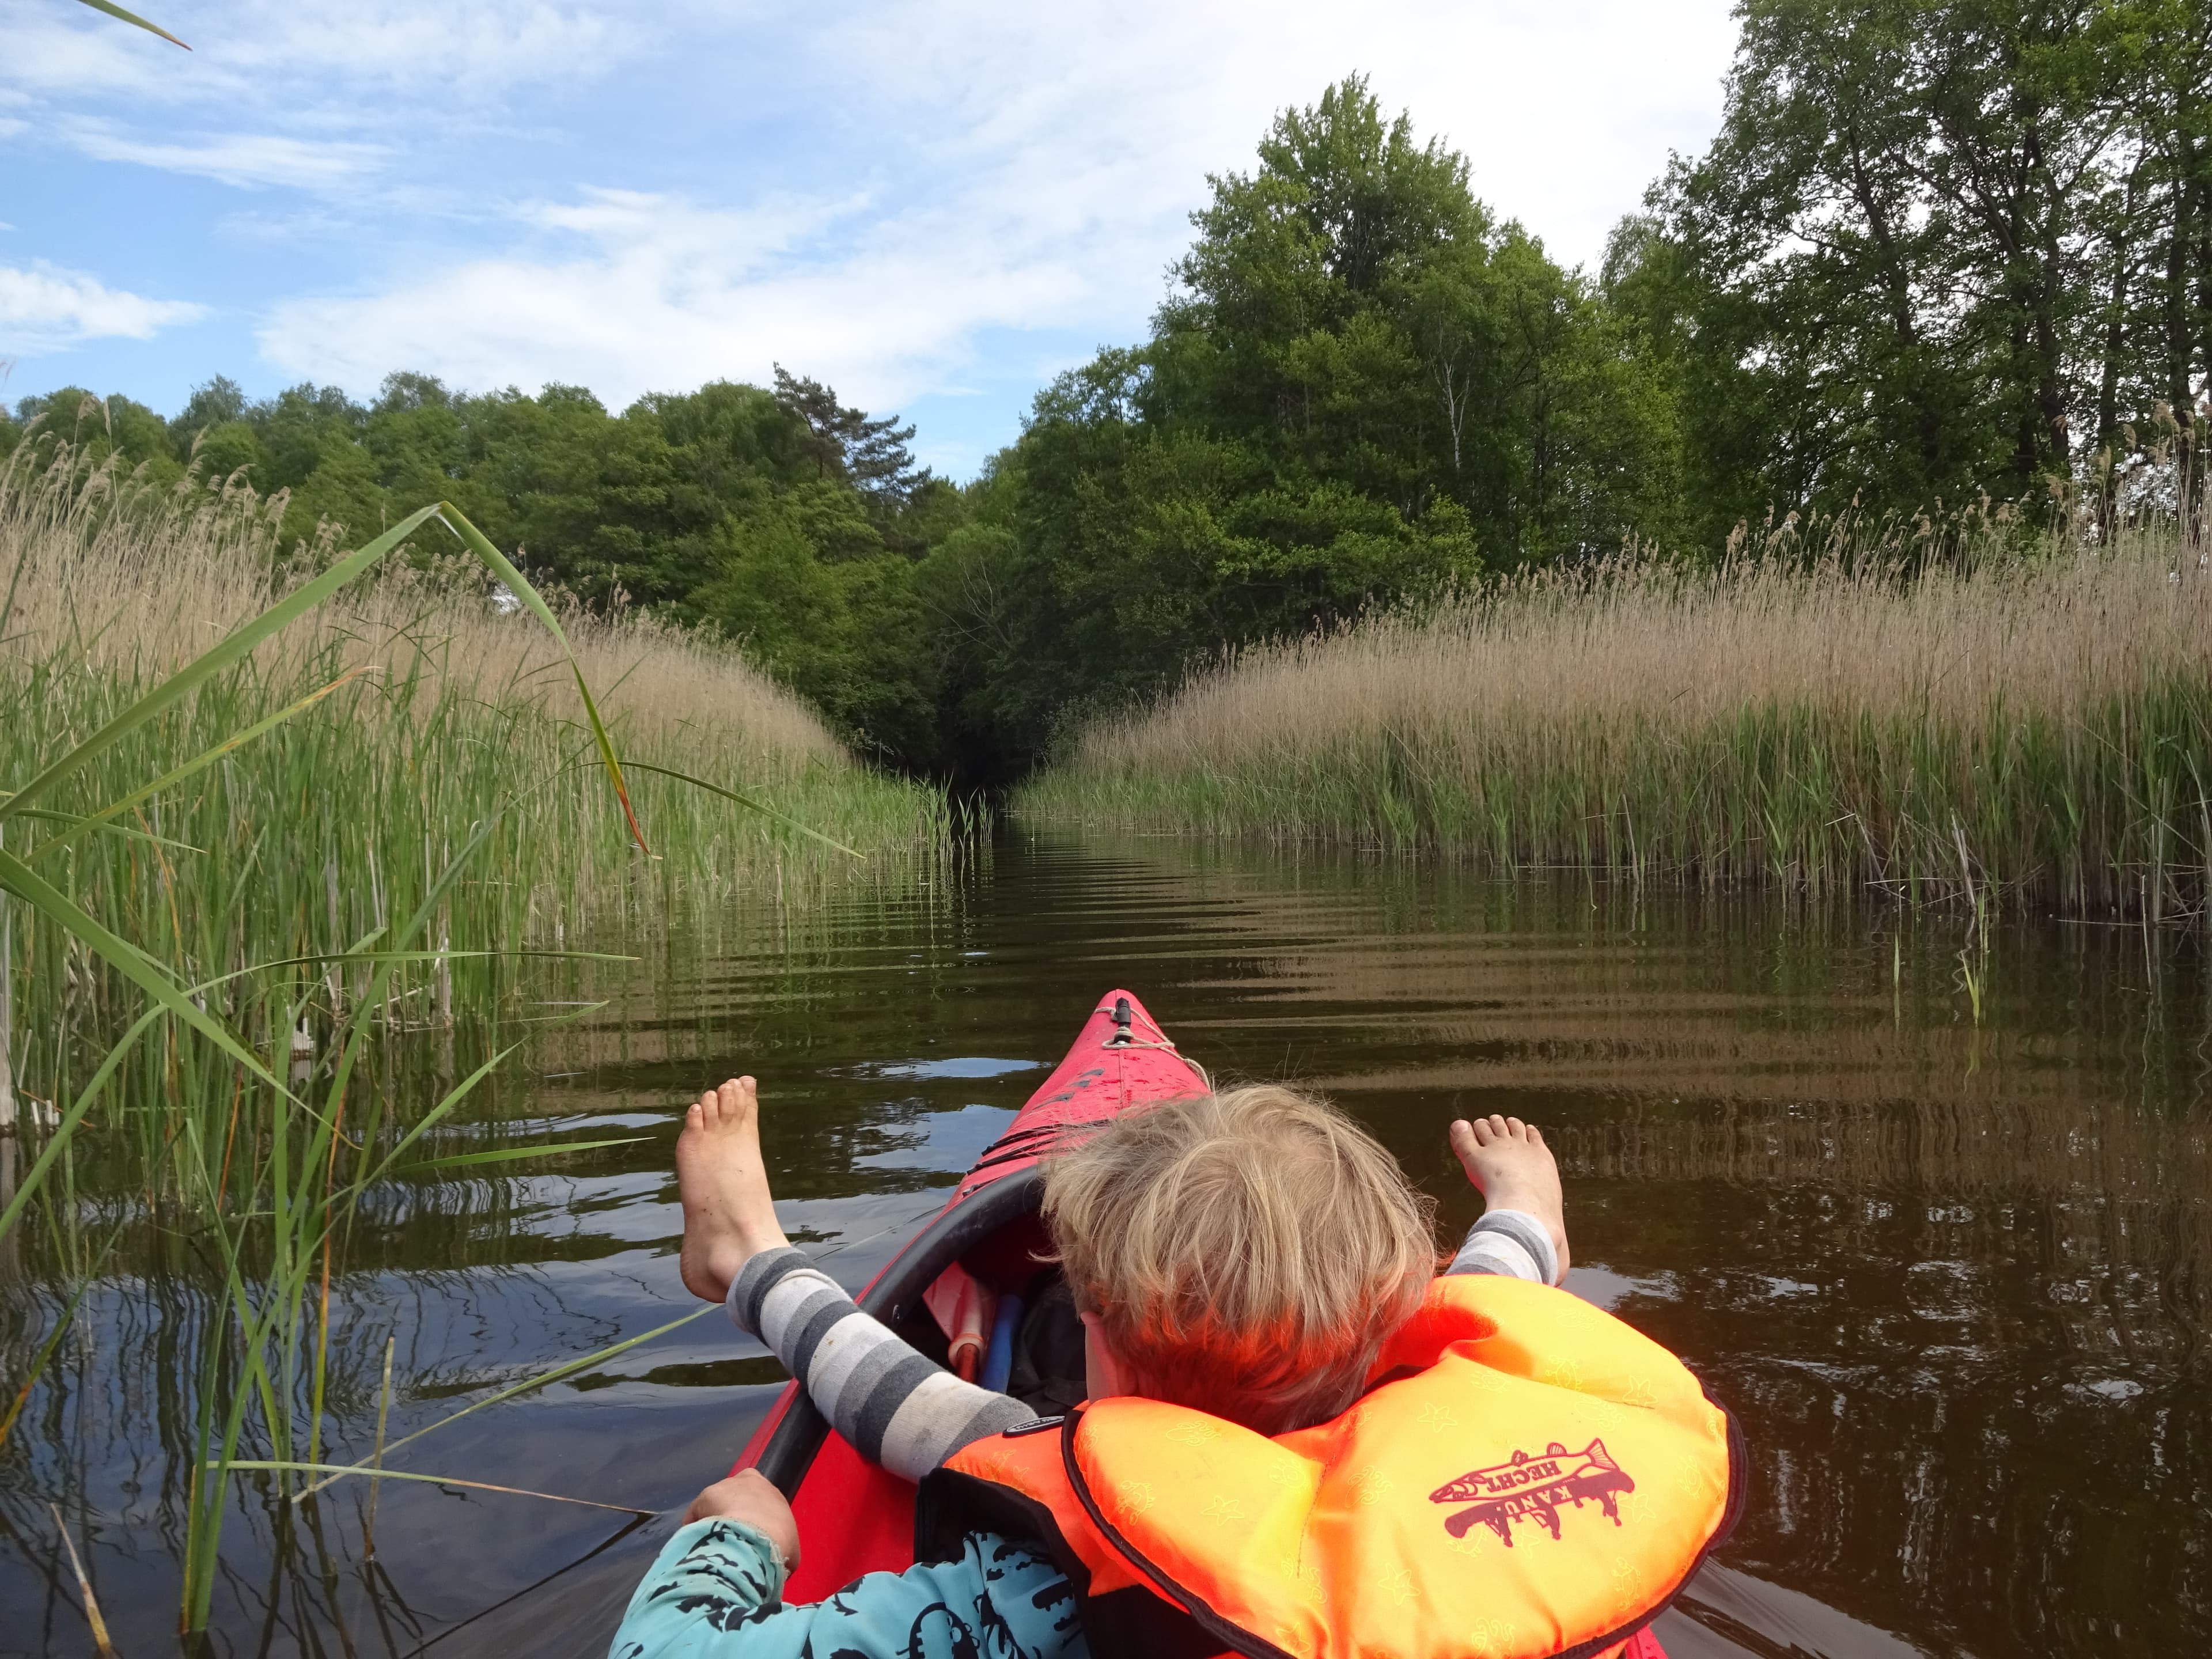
point(2031, 726)
point(268, 818)
point(301, 1220)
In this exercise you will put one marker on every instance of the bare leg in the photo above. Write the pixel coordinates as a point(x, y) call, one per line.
point(1513, 1170)
point(729, 1216)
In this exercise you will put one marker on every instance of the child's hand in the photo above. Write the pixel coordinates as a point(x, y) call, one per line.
point(749, 1496)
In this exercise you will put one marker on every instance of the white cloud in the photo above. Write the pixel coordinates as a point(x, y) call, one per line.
point(294, 50)
point(664, 295)
point(243, 159)
point(44, 308)
point(1027, 168)
point(1566, 109)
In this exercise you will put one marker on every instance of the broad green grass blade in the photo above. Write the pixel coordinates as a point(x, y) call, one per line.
point(127, 959)
point(114, 10)
point(746, 801)
point(459, 1092)
point(325, 957)
point(234, 647)
point(567, 1368)
point(35, 1176)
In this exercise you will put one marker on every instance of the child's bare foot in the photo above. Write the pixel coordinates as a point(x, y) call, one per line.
point(1513, 1170)
point(728, 1216)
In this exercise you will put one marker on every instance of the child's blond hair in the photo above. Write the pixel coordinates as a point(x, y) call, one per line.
point(1246, 1253)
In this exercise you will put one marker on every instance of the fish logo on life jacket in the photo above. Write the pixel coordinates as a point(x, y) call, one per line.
point(1537, 1488)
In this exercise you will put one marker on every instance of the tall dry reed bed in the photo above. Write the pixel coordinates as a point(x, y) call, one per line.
point(434, 712)
point(2035, 728)
point(262, 818)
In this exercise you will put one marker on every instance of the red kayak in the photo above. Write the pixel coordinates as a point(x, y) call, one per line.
point(854, 1517)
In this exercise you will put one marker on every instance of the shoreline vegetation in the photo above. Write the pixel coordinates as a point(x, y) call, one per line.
point(1827, 710)
point(263, 821)
point(425, 706)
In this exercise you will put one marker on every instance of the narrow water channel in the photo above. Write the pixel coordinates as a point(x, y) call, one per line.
point(1952, 1273)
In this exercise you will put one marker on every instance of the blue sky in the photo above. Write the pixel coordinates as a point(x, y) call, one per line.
point(934, 206)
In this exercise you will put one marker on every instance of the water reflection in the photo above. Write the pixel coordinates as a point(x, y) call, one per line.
point(1953, 1276)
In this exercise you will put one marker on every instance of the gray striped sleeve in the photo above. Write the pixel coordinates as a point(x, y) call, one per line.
point(1509, 1241)
point(894, 1406)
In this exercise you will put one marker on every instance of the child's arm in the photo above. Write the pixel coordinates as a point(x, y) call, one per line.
point(1509, 1241)
point(894, 1406)
point(897, 1408)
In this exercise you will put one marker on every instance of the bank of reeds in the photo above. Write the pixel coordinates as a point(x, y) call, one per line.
point(262, 817)
point(1970, 721)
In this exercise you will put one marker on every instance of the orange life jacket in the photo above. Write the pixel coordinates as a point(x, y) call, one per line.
point(1526, 1476)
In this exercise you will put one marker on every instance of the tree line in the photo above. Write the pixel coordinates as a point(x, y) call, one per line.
point(1937, 254)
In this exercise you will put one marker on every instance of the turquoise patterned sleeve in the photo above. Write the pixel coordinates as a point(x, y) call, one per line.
point(713, 1594)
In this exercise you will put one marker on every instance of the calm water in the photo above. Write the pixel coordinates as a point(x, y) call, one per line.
point(1955, 1279)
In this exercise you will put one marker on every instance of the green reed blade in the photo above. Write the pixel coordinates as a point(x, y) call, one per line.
point(480, 545)
point(114, 10)
point(325, 957)
point(75, 823)
point(508, 1154)
point(127, 959)
point(200, 762)
point(434, 1480)
point(742, 800)
point(567, 1368)
point(459, 1092)
point(34, 1177)
point(41, 1360)
point(235, 646)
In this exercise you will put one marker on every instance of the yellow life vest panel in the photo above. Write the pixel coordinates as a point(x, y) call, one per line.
point(1526, 1476)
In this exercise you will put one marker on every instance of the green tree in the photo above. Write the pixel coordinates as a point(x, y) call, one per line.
point(1918, 262)
point(1362, 390)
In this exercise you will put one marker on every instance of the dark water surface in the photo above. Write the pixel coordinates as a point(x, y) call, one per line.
point(1953, 1279)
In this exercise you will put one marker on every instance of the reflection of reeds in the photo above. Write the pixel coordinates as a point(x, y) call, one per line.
point(1733, 1040)
point(2037, 725)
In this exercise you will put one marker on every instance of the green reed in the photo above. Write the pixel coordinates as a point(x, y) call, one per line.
point(231, 878)
point(1990, 725)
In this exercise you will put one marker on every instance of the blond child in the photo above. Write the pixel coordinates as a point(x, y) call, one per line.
point(1245, 1254)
